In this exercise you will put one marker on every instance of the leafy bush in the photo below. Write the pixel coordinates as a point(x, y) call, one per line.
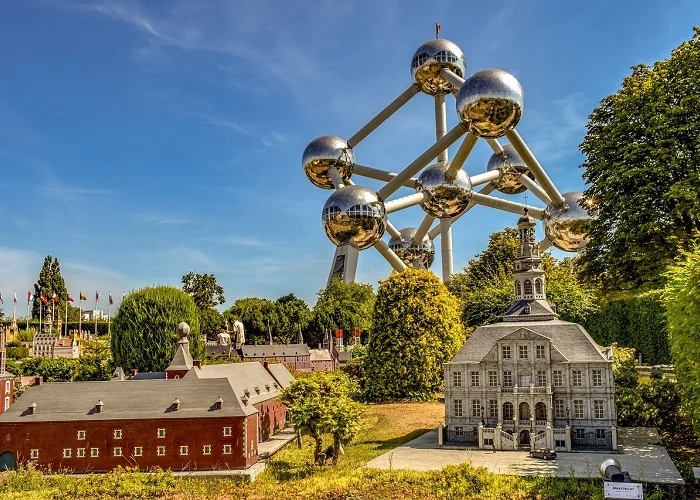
point(17, 352)
point(144, 330)
point(416, 329)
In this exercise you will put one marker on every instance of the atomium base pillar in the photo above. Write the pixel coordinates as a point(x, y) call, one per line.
point(344, 265)
point(446, 246)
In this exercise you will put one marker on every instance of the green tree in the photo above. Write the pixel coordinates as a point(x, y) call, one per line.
point(256, 315)
point(144, 333)
point(643, 166)
point(211, 322)
point(342, 305)
point(294, 314)
point(95, 362)
point(204, 289)
point(50, 281)
point(56, 370)
point(682, 300)
point(320, 403)
point(416, 329)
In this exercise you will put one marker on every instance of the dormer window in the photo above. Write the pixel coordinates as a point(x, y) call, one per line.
point(31, 409)
point(527, 309)
point(176, 404)
point(219, 403)
point(99, 406)
point(244, 400)
point(257, 389)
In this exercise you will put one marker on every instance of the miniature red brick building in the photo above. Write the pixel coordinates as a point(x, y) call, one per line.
point(7, 380)
point(189, 417)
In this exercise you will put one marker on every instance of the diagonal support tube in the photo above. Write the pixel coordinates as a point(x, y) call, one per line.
point(451, 77)
point(406, 201)
point(521, 148)
point(423, 228)
point(485, 177)
point(420, 162)
point(441, 124)
point(535, 188)
point(381, 175)
point(435, 232)
point(382, 116)
point(335, 177)
point(505, 205)
point(464, 149)
point(390, 256)
point(446, 248)
point(391, 229)
point(495, 145)
point(545, 244)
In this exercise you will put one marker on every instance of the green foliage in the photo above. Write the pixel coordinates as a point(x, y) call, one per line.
point(416, 330)
point(294, 314)
point(342, 305)
point(322, 402)
point(643, 167)
point(17, 352)
point(575, 300)
point(211, 322)
point(632, 320)
point(50, 281)
point(256, 315)
point(682, 300)
point(359, 350)
point(55, 370)
point(144, 330)
point(95, 362)
point(203, 289)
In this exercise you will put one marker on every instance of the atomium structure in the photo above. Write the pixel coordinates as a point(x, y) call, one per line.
point(489, 105)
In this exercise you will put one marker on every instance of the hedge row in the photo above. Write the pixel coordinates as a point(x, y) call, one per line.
point(633, 321)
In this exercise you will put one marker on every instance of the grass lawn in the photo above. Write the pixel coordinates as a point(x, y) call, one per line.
point(292, 475)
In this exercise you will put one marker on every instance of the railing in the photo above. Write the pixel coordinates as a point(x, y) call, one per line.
point(508, 423)
point(506, 436)
point(559, 431)
point(507, 390)
point(540, 423)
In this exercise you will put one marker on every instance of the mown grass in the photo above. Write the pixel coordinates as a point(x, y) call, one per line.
point(292, 475)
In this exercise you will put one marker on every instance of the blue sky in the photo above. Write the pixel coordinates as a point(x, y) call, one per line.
point(140, 140)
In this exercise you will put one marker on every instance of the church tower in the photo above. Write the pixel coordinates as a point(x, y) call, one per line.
point(530, 302)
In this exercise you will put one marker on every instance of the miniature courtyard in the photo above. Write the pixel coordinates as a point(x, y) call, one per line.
point(641, 457)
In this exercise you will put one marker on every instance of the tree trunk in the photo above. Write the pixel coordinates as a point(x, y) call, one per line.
point(298, 433)
point(318, 450)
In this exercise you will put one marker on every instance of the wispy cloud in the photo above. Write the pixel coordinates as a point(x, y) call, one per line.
point(238, 241)
point(162, 220)
point(565, 126)
point(92, 270)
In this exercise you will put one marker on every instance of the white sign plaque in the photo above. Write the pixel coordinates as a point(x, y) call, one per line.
point(623, 490)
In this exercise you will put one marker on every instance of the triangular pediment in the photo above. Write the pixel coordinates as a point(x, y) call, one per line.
point(556, 356)
point(492, 355)
point(524, 334)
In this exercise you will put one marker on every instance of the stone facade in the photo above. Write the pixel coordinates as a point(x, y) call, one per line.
point(531, 381)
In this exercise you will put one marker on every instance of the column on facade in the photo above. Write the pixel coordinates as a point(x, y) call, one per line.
point(481, 435)
point(440, 433)
point(613, 431)
point(550, 436)
point(567, 437)
point(497, 437)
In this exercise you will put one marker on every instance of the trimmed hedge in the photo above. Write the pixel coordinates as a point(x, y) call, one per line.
point(636, 321)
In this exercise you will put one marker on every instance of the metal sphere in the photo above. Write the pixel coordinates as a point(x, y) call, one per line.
point(490, 102)
point(355, 216)
point(448, 198)
point(414, 255)
point(510, 163)
point(323, 153)
point(567, 226)
point(183, 330)
point(431, 58)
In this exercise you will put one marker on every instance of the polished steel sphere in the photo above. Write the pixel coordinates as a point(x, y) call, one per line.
point(323, 153)
point(490, 102)
point(355, 216)
point(431, 58)
point(567, 226)
point(510, 163)
point(448, 198)
point(414, 255)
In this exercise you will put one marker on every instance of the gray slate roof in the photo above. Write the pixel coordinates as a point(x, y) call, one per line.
point(243, 377)
point(574, 343)
point(320, 355)
point(62, 401)
point(149, 376)
point(537, 308)
point(182, 359)
point(281, 374)
point(274, 350)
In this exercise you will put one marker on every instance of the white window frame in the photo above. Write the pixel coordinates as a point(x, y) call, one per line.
point(599, 408)
point(475, 379)
point(576, 378)
point(506, 352)
point(493, 408)
point(227, 449)
point(206, 449)
point(138, 451)
point(597, 378)
point(541, 378)
point(7, 402)
point(523, 352)
point(67, 453)
point(457, 408)
point(228, 431)
point(117, 433)
point(117, 451)
point(34, 454)
point(94, 452)
point(80, 452)
point(184, 449)
point(7, 386)
point(578, 405)
point(507, 377)
point(559, 408)
point(539, 349)
point(161, 433)
point(160, 451)
point(558, 378)
point(493, 378)
point(457, 379)
point(81, 435)
point(459, 430)
point(476, 408)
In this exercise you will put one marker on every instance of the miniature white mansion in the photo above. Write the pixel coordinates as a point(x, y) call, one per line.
point(532, 380)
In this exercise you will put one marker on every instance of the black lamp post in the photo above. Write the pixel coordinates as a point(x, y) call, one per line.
point(483, 422)
point(568, 421)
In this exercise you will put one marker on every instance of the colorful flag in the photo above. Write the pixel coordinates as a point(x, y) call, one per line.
point(70, 299)
point(54, 297)
point(42, 298)
point(97, 295)
point(111, 302)
point(15, 298)
point(1, 301)
point(82, 297)
point(30, 297)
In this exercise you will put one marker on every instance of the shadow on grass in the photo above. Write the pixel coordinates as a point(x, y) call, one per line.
point(388, 444)
point(285, 470)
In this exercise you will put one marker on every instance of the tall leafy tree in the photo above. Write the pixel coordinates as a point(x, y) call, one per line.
point(257, 315)
point(50, 281)
point(207, 294)
point(416, 329)
point(342, 305)
point(643, 166)
point(294, 314)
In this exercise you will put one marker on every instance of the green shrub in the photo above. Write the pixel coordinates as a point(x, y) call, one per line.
point(17, 352)
point(144, 333)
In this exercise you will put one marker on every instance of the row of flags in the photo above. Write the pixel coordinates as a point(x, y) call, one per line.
point(54, 297)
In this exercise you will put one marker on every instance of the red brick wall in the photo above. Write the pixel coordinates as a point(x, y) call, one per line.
point(50, 438)
point(4, 393)
point(272, 415)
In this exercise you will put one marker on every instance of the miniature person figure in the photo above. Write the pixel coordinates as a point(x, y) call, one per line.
point(238, 333)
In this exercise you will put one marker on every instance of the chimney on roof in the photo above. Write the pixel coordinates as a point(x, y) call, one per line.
point(176, 404)
point(197, 363)
point(246, 391)
point(219, 403)
point(99, 406)
point(244, 400)
point(38, 380)
point(133, 372)
point(257, 389)
point(31, 410)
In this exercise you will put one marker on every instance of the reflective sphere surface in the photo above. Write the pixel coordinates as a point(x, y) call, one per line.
point(355, 216)
point(510, 163)
point(431, 58)
point(413, 254)
point(323, 153)
point(567, 226)
point(490, 102)
point(448, 198)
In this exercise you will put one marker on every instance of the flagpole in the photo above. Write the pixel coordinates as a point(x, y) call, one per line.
point(95, 311)
point(109, 313)
point(53, 313)
point(14, 310)
point(80, 315)
point(41, 306)
point(66, 327)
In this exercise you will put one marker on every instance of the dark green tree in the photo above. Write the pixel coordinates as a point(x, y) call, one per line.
point(50, 281)
point(416, 329)
point(203, 289)
point(294, 314)
point(342, 305)
point(144, 330)
point(211, 322)
point(643, 167)
point(256, 315)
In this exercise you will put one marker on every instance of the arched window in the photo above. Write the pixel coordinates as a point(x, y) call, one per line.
point(540, 411)
point(518, 291)
point(538, 286)
point(7, 402)
point(507, 411)
point(528, 287)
